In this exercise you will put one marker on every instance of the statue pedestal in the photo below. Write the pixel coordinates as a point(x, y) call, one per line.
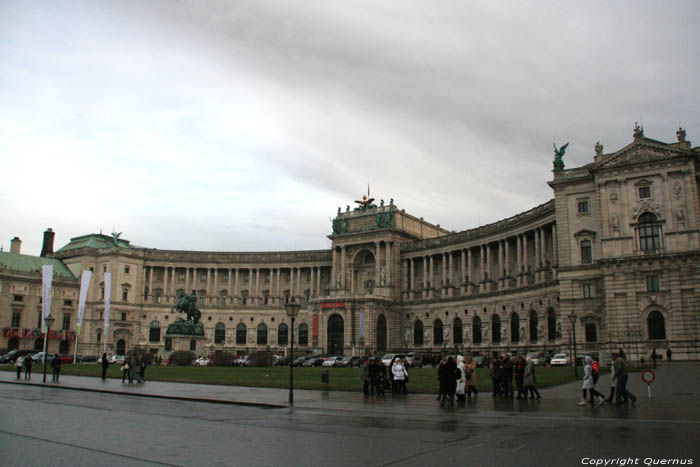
point(182, 334)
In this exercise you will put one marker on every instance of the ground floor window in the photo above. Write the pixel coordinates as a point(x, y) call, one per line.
point(656, 325)
point(591, 332)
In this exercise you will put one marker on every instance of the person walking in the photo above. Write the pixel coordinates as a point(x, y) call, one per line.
point(622, 376)
point(654, 356)
point(56, 367)
point(668, 354)
point(398, 372)
point(105, 365)
point(613, 382)
point(507, 376)
point(470, 375)
point(529, 379)
point(589, 381)
point(366, 378)
point(448, 374)
point(519, 373)
point(18, 366)
point(28, 362)
point(461, 380)
point(125, 370)
point(142, 368)
point(496, 377)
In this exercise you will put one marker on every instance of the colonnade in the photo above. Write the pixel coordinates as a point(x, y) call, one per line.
point(342, 273)
point(517, 260)
point(239, 286)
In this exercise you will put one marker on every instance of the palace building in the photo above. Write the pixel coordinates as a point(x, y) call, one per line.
point(611, 261)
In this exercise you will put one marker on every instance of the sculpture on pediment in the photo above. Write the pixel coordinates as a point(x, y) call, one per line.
point(614, 223)
point(638, 131)
point(680, 134)
point(389, 219)
point(381, 203)
point(646, 206)
point(344, 226)
point(598, 148)
point(559, 157)
point(407, 335)
point(391, 202)
point(383, 276)
point(679, 214)
point(115, 237)
point(336, 226)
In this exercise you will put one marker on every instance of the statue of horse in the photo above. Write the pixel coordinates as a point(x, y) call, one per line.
point(186, 304)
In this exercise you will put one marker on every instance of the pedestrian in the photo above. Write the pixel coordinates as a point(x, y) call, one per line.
point(654, 356)
point(28, 361)
point(18, 366)
point(613, 382)
point(668, 354)
point(131, 368)
point(589, 381)
point(399, 374)
point(496, 377)
point(365, 377)
point(373, 376)
point(470, 375)
point(519, 373)
point(507, 376)
point(142, 368)
point(622, 376)
point(56, 367)
point(529, 379)
point(461, 380)
point(105, 365)
point(125, 370)
point(448, 374)
point(381, 382)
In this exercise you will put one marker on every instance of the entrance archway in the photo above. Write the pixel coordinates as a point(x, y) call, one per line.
point(13, 344)
point(121, 347)
point(381, 333)
point(335, 334)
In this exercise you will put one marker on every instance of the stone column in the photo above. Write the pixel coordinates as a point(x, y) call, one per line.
point(526, 260)
point(482, 258)
point(470, 271)
point(432, 277)
point(424, 293)
point(342, 267)
point(150, 282)
point(543, 252)
point(500, 276)
point(518, 260)
point(229, 281)
point(463, 267)
point(388, 263)
point(334, 269)
point(411, 280)
point(443, 292)
point(450, 275)
point(257, 285)
point(236, 287)
point(187, 280)
point(318, 280)
point(165, 283)
point(311, 281)
point(291, 283)
point(537, 254)
point(214, 285)
point(377, 264)
point(507, 263)
point(555, 252)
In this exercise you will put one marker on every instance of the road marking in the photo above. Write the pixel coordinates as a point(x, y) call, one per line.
point(518, 449)
point(568, 450)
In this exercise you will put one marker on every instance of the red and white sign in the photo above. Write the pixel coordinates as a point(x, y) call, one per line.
point(327, 305)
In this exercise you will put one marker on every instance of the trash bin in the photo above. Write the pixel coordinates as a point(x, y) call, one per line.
point(325, 376)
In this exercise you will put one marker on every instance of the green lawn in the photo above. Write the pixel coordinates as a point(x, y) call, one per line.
point(421, 380)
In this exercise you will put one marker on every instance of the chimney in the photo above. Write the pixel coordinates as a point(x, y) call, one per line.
point(15, 245)
point(47, 247)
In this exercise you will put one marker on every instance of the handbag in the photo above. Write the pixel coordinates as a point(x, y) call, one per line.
point(460, 387)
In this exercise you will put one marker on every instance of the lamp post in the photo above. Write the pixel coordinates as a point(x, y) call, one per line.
point(292, 309)
point(48, 322)
point(572, 319)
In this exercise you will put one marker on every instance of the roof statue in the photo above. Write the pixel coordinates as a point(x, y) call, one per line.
point(598, 149)
point(366, 201)
point(559, 157)
point(638, 131)
point(115, 237)
point(680, 134)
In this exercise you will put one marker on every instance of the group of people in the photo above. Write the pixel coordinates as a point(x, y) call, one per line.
point(619, 394)
point(25, 363)
point(134, 365)
point(376, 381)
point(456, 377)
point(504, 370)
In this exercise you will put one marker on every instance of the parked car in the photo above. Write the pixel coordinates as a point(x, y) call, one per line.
point(560, 359)
point(536, 358)
point(414, 360)
point(13, 355)
point(202, 361)
point(118, 359)
point(313, 361)
point(242, 360)
point(355, 361)
point(343, 362)
point(39, 357)
point(88, 359)
point(299, 360)
point(331, 361)
point(65, 358)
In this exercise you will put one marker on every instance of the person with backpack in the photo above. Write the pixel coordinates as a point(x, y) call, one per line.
point(589, 381)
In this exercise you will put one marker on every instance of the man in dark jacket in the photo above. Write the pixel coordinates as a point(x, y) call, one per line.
point(105, 365)
point(448, 373)
point(507, 376)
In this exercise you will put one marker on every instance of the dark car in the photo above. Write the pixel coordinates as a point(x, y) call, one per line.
point(13, 355)
point(356, 361)
point(87, 358)
point(299, 360)
point(65, 358)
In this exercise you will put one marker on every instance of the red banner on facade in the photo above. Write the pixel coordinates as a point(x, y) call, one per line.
point(315, 336)
point(333, 305)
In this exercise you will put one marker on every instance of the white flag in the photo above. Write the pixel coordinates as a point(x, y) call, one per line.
point(108, 295)
point(46, 278)
point(84, 285)
point(362, 324)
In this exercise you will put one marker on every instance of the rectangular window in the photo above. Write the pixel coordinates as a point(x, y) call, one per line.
point(583, 206)
point(168, 344)
point(652, 283)
point(17, 298)
point(126, 269)
point(102, 293)
point(123, 316)
point(644, 192)
point(204, 277)
point(182, 276)
point(38, 321)
point(125, 294)
point(104, 268)
point(588, 291)
point(591, 332)
point(586, 254)
point(193, 345)
point(67, 302)
point(66, 322)
point(16, 317)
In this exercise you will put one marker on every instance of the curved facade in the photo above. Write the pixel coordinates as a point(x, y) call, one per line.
point(610, 262)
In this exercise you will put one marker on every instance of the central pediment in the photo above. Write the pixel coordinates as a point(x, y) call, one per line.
point(641, 151)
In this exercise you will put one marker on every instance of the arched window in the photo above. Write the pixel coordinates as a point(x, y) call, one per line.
point(476, 330)
point(240, 334)
point(514, 328)
point(303, 334)
point(656, 325)
point(154, 331)
point(533, 326)
point(495, 328)
point(99, 337)
point(219, 333)
point(283, 335)
point(649, 232)
point(551, 324)
point(262, 334)
point(457, 332)
point(437, 332)
point(381, 333)
point(418, 333)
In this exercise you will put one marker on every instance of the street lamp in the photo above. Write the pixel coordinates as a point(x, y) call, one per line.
point(572, 319)
point(292, 309)
point(48, 322)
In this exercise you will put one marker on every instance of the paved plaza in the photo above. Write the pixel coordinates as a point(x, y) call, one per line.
point(154, 419)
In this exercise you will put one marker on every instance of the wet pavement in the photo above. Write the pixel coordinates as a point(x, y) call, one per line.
point(675, 396)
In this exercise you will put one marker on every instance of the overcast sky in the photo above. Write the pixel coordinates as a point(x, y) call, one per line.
point(242, 126)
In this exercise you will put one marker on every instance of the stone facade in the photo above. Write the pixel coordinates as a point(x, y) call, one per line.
point(611, 261)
